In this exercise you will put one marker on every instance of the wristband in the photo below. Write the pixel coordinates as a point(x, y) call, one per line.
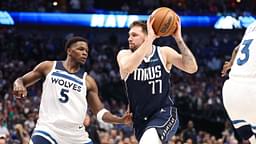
point(100, 114)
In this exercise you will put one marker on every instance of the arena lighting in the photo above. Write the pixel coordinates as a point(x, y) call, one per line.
point(231, 22)
point(5, 18)
point(55, 3)
point(116, 20)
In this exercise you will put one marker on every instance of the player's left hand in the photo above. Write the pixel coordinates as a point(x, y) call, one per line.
point(177, 34)
point(127, 118)
point(227, 66)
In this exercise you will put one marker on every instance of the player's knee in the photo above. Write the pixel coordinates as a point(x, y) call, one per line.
point(150, 136)
point(245, 132)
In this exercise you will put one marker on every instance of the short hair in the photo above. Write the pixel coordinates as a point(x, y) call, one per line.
point(141, 24)
point(73, 40)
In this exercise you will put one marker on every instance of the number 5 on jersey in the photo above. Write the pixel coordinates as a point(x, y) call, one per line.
point(63, 96)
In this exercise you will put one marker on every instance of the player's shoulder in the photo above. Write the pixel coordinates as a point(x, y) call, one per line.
point(165, 49)
point(47, 62)
point(90, 81)
point(44, 66)
point(251, 28)
point(124, 51)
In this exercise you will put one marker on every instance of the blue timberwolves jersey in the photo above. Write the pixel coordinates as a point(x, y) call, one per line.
point(148, 87)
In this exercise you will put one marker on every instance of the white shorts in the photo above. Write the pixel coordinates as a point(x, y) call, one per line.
point(62, 135)
point(239, 98)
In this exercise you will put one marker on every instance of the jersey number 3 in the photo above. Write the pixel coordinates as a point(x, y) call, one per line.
point(245, 50)
point(63, 95)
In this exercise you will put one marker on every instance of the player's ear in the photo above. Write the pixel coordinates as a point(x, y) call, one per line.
point(68, 51)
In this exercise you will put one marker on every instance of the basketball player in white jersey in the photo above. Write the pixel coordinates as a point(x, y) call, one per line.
point(67, 90)
point(145, 68)
point(239, 93)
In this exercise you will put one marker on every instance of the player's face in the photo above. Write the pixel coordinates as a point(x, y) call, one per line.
point(79, 51)
point(136, 37)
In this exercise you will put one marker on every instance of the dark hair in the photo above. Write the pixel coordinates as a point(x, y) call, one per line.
point(73, 40)
point(140, 24)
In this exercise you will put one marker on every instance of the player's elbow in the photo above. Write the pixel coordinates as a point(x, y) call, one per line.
point(193, 69)
point(126, 68)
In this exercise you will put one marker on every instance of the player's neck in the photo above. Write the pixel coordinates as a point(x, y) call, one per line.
point(71, 66)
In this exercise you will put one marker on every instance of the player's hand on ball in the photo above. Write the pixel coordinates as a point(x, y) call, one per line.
point(151, 33)
point(177, 34)
point(19, 91)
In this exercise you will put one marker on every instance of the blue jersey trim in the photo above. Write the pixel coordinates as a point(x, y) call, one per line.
point(67, 77)
point(46, 134)
point(238, 121)
point(59, 66)
point(89, 142)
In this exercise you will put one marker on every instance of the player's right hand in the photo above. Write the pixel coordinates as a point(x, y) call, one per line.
point(227, 66)
point(19, 90)
point(151, 32)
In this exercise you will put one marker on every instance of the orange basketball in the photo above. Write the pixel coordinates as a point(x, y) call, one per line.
point(165, 23)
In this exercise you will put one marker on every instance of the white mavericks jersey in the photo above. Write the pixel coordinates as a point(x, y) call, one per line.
point(63, 104)
point(244, 65)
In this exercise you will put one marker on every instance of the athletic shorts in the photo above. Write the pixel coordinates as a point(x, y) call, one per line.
point(165, 121)
point(56, 135)
point(239, 99)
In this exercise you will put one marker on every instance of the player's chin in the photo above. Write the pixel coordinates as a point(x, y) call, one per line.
point(132, 47)
point(82, 61)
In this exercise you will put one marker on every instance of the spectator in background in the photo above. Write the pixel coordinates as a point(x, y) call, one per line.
point(22, 134)
point(190, 132)
point(3, 139)
point(4, 132)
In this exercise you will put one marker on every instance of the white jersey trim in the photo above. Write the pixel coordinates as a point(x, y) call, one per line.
point(53, 68)
point(147, 59)
point(126, 77)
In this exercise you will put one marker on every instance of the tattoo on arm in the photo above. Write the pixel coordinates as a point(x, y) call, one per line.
point(187, 56)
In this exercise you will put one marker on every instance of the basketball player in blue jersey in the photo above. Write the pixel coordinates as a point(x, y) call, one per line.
point(239, 93)
point(145, 68)
point(67, 90)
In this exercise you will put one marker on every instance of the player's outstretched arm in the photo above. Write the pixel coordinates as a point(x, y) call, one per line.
point(227, 65)
point(186, 61)
point(97, 107)
point(21, 83)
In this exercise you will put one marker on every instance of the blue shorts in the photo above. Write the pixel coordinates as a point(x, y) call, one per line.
point(164, 120)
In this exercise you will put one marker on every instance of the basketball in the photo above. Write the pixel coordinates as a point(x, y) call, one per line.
point(165, 23)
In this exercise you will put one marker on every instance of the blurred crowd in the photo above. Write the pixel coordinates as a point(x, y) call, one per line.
point(198, 97)
point(132, 6)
